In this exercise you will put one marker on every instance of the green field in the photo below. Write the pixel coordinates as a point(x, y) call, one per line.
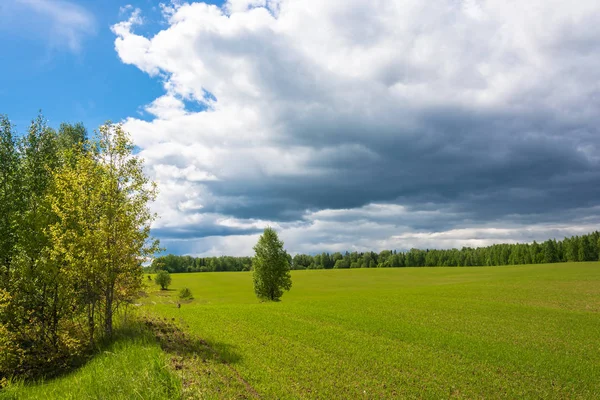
point(493, 332)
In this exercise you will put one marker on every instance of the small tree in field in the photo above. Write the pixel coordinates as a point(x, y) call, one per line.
point(271, 267)
point(186, 294)
point(163, 278)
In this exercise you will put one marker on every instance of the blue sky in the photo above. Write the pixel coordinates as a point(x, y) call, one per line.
point(40, 70)
point(343, 124)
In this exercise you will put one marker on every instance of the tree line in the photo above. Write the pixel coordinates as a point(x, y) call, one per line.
point(174, 264)
point(74, 232)
point(576, 248)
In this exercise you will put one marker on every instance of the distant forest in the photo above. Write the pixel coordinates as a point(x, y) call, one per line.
point(576, 248)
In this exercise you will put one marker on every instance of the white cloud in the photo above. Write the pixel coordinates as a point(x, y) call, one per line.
point(167, 107)
point(315, 109)
point(233, 6)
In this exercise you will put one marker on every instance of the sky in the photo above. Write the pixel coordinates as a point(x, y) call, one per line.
point(344, 124)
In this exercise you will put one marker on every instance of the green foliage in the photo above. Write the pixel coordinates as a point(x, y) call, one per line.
point(11, 198)
point(74, 225)
point(38, 314)
point(271, 267)
point(103, 225)
point(174, 264)
point(163, 278)
point(72, 137)
point(186, 294)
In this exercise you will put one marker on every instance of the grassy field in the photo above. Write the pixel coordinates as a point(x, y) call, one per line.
point(518, 332)
point(498, 332)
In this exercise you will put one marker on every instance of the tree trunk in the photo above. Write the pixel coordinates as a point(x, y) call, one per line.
point(91, 320)
point(108, 311)
point(55, 317)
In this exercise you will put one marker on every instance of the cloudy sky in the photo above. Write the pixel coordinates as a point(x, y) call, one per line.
point(344, 124)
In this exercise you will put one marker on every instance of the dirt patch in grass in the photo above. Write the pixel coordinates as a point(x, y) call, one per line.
point(202, 369)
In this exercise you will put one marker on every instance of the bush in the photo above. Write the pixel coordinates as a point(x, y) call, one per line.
point(163, 278)
point(186, 294)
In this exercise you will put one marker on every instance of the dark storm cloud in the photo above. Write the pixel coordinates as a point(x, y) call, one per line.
point(201, 230)
point(483, 165)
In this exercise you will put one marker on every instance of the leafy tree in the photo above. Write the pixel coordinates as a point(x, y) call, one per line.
point(585, 249)
point(342, 263)
point(571, 249)
point(102, 227)
point(72, 136)
point(271, 267)
point(38, 308)
point(77, 240)
point(35, 284)
point(163, 278)
point(10, 198)
point(126, 218)
point(335, 257)
point(550, 252)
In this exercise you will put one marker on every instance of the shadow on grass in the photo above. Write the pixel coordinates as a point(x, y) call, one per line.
point(66, 363)
point(197, 359)
point(174, 340)
point(164, 292)
point(143, 330)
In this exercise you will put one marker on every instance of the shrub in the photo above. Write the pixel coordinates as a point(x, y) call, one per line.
point(24, 356)
point(186, 294)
